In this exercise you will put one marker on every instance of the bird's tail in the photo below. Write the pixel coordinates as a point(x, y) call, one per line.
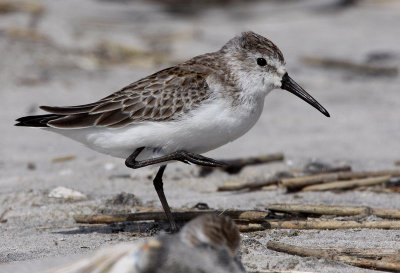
point(37, 121)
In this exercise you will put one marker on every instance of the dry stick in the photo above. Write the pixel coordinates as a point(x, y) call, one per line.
point(23, 6)
point(256, 220)
point(320, 209)
point(369, 253)
point(236, 165)
point(350, 184)
point(254, 216)
point(252, 227)
point(273, 181)
point(386, 213)
point(285, 271)
point(250, 186)
point(351, 66)
point(63, 158)
point(345, 168)
point(319, 253)
point(297, 183)
point(333, 224)
point(335, 210)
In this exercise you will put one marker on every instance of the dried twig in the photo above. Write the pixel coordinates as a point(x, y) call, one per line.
point(250, 186)
point(349, 184)
point(250, 215)
point(279, 271)
point(297, 183)
point(320, 209)
point(248, 220)
point(252, 227)
point(335, 210)
point(276, 179)
point(320, 253)
point(22, 6)
point(333, 224)
point(369, 69)
point(319, 168)
point(236, 165)
point(361, 252)
point(63, 158)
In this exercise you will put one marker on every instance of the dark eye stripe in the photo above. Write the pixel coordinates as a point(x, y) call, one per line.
point(261, 62)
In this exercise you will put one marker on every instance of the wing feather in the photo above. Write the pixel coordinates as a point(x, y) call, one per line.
point(162, 96)
point(106, 106)
point(74, 121)
point(110, 118)
point(69, 110)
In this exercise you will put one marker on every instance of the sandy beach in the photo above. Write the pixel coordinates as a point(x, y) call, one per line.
point(75, 52)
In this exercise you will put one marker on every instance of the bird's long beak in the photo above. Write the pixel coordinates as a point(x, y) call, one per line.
point(290, 85)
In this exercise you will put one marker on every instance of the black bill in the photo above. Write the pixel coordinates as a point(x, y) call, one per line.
point(290, 85)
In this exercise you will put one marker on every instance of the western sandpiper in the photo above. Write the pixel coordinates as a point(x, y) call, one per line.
point(182, 111)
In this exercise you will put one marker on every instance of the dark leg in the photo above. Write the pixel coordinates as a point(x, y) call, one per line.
point(158, 185)
point(183, 156)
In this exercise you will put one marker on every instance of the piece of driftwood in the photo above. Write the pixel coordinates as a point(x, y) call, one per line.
point(20, 6)
point(369, 69)
point(249, 215)
point(248, 220)
point(317, 167)
point(333, 224)
point(252, 227)
point(297, 183)
point(348, 184)
point(236, 165)
point(284, 271)
point(250, 186)
point(334, 210)
point(386, 265)
point(63, 158)
point(368, 253)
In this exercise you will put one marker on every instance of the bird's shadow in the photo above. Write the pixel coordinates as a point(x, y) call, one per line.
point(144, 228)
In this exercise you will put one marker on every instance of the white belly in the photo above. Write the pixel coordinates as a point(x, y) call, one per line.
point(206, 128)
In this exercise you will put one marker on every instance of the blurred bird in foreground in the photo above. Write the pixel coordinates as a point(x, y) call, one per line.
point(207, 244)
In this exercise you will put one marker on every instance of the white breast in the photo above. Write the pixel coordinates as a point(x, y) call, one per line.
point(212, 125)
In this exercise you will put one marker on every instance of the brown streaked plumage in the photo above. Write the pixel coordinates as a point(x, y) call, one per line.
point(159, 97)
point(216, 230)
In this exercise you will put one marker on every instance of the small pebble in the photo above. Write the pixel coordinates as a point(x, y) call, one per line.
point(31, 166)
point(67, 194)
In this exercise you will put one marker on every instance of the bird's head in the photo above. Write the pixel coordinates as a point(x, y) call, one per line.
point(258, 67)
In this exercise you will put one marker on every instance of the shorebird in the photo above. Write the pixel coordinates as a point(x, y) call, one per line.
point(208, 244)
point(180, 112)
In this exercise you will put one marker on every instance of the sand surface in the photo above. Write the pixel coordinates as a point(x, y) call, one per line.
point(65, 65)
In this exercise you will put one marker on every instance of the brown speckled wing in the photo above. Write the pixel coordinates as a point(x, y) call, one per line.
point(163, 96)
point(217, 230)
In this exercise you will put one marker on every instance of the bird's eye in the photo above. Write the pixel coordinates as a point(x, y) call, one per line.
point(261, 62)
